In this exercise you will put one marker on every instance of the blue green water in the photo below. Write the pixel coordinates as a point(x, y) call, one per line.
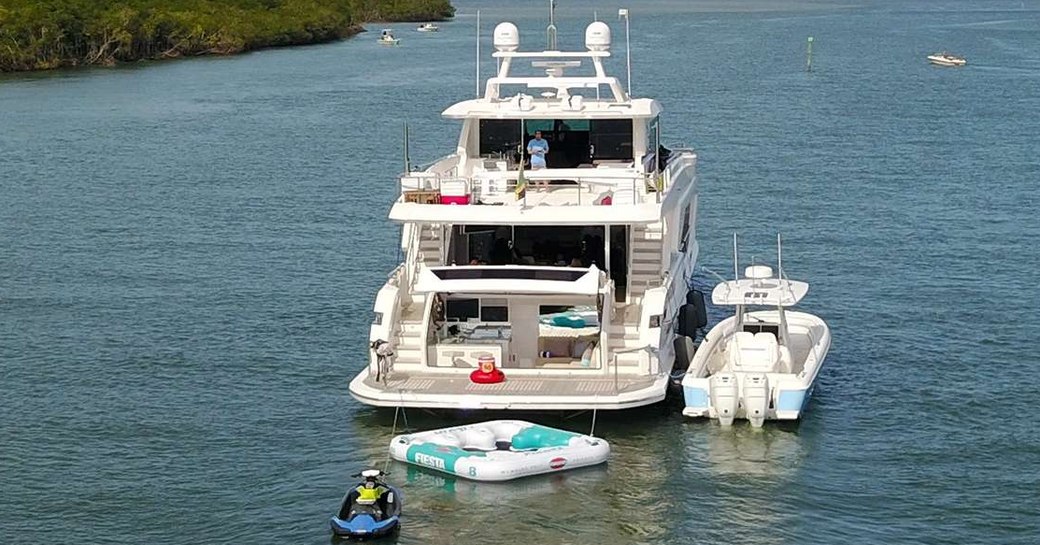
point(189, 252)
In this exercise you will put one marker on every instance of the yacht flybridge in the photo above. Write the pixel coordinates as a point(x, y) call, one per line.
point(549, 288)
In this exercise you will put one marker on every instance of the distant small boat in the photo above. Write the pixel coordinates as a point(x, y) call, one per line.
point(946, 59)
point(387, 38)
point(428, 27)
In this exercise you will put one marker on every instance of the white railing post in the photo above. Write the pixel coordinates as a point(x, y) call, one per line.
point(617, 390)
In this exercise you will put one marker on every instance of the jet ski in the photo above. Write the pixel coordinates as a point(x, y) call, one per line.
point(369, 510)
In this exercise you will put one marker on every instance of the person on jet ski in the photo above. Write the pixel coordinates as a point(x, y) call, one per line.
point(369, 493)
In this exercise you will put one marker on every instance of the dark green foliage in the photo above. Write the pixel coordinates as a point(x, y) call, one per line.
point(39, 34)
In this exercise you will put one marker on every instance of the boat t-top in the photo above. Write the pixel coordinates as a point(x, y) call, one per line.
point(946, 59)
point(546, 258)
point(758, 364)
point(387, 38)
point(428, 27)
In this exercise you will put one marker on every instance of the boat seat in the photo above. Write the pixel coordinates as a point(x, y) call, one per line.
point(754, 352)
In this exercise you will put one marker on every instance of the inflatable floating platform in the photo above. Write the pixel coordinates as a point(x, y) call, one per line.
point(499, 450)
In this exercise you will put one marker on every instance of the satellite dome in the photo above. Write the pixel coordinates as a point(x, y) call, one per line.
point(507, 37)
point(597, 36)
point(758, 272)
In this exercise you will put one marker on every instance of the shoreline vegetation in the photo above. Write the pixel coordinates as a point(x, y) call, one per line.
point(47, 34)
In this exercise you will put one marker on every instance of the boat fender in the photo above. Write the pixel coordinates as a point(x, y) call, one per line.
point(696, 298)
point(688, 321)
point(684, 349)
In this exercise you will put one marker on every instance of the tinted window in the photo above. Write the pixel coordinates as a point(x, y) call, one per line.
point(499, 135)
point(611, 138)
point(462, 309)
point(684, 235)
point(494, 314)
point(653, 143)
point(501, 273)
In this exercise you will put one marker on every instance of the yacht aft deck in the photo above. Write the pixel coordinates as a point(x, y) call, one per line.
point(456, 391)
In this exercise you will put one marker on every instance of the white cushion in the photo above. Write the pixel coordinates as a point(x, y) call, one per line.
point(756, 353)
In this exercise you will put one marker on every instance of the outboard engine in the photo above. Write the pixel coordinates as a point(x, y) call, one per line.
point(756, 398)
point(724, 397)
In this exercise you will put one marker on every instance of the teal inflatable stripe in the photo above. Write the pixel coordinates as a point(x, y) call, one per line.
point(537, 437)
point(440, 457)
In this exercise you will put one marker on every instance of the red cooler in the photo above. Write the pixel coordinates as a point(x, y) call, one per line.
point(454, 192)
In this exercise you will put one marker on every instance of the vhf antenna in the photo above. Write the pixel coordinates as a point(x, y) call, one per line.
point(550, 31)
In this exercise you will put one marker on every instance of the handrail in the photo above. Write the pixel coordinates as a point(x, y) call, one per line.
point(412, 258)
point(589, 183)
point(649, 349)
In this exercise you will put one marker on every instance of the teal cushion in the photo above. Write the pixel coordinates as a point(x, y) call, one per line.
point(565, 320)
point(537, 437)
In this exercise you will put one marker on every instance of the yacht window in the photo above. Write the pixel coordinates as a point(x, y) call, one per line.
point(653, 133)
point(494, 314)
point(499, 136)
point(763, 328)
point(611, 139)
point(461, 310)
point(684, 235)
point(507, 273)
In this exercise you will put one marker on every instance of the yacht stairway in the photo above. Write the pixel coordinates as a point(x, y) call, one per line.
point(644, 273)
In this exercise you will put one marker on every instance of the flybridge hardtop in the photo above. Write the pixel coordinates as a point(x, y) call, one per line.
point(545, 260)
point(554, 88)
point(758, 288)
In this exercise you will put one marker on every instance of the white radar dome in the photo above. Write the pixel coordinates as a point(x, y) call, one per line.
point(758, 272)
point(597, 36)
point(507, 37)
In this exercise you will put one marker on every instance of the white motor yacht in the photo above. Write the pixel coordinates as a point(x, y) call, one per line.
point(946, 59)
point(758, 364)
point(428, 27)
point(387, 38)
point(546, 286)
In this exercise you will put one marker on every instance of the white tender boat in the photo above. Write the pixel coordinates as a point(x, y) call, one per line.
point(759, 364)
point(566, 281)
point(428, 27)
point(946, 59)
point(387, 38)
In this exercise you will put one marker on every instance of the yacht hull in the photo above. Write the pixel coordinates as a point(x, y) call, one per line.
point(521, 394)
point(789, 405)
